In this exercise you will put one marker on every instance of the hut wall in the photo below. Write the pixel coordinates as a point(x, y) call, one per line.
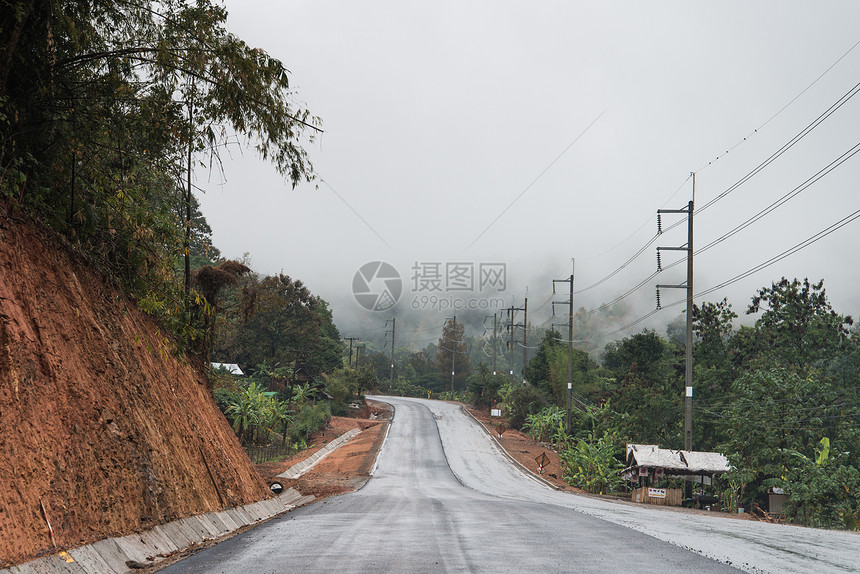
point(674, 496)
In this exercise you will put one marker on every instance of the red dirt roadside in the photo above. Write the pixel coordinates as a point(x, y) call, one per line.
point(526, 451)
point(346, 468)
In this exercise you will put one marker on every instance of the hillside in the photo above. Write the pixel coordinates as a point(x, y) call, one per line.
point(98, 421)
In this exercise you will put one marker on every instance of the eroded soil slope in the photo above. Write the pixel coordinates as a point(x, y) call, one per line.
point(97, 424)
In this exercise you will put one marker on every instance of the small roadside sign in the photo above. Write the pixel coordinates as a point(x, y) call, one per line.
point(495, 412)
point(542, 461)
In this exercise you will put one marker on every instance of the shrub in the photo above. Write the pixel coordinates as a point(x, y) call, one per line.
point(523, 401)
point(310, 418)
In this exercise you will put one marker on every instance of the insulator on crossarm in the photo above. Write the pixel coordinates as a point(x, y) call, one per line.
point(659, 225)
point(659, 263)
point(658, 299)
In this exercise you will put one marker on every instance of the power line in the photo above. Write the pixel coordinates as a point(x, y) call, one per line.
point(783, 108)
point(749, 175)
point(632, 290)
point(788, 145)
point(535, 180)
point(619, 269)
point(787, 197)
point(641, 227)
point(791, 251)
point(737, 229)
point(775, 259)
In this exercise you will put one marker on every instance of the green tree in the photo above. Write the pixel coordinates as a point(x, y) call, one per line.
point(541, 425)
point(824, 489)
point(844, 369)
point(648, 388)
point(245, 411)
point(423, 364)
point(104, 105)
point(538, 371)
point(342, 385)
point(593, 465)
point(713, 371)
point(278, 321)
point(772, 414)
point(483, 387)
point(523, 400)
point(283, 417)
point(202, 250)
point(798, 328)
point(209, 281)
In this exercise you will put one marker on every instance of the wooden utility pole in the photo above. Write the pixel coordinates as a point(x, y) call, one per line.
point(351, 340)
point(688, 370)
point(569, 359)
point(510, 326)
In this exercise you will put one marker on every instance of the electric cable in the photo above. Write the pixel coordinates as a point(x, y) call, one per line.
point(783, 108)
point(775, 259)
point(749, 175)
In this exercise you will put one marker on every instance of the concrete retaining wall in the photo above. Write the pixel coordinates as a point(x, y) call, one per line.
point(116, 555)
point(302, 467)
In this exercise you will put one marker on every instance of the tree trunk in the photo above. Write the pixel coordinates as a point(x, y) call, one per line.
point(12, 44)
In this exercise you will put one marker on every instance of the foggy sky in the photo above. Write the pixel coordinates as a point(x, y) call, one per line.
point(531, 133)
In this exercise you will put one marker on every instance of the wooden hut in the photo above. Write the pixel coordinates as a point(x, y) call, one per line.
point(648, 463)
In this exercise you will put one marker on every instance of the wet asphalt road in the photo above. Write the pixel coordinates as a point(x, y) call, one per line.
point(416, 515)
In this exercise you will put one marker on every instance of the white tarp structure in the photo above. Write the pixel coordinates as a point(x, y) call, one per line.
point(660, 461)
point(231, 368)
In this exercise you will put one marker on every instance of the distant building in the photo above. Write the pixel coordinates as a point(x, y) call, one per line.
point(302, 375)
point(231, 368)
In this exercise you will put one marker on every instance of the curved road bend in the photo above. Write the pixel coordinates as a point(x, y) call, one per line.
point(465, 508)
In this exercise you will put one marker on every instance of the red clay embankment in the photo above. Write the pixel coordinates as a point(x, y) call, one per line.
point(99, 423)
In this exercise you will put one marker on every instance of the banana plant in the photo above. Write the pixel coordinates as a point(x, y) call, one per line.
point(592, 464)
